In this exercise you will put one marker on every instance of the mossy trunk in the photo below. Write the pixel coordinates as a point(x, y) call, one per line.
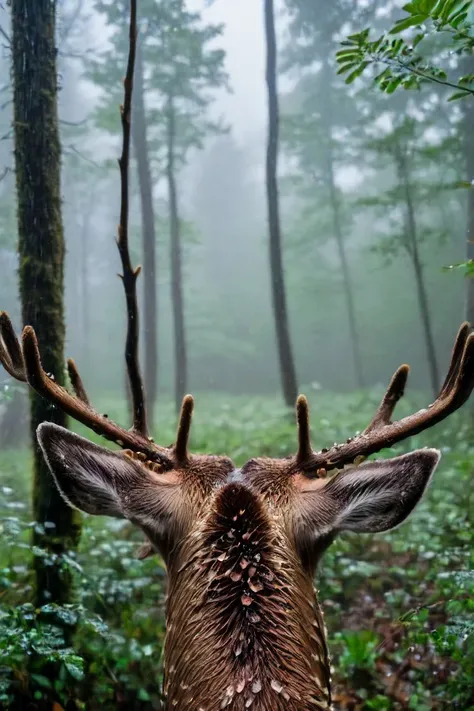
point(41, 263)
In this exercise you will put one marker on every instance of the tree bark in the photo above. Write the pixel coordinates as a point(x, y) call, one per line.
point(180, 367)
point(150, 308)
point(413, 251)
point(280, 312)
point(41, 263)
point(468, 125)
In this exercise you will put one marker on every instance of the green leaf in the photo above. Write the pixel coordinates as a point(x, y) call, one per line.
point(346, 67)
point(348, 55)
point(459, 95)
point(406, 23)
point(357, 72)
point(394, 84)
point(463, 184)
point(74, 668)
point(42, 681)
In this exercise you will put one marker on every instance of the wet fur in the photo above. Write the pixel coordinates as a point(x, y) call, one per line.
point(239, 596)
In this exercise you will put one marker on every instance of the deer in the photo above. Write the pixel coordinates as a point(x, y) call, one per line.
point(244, 626)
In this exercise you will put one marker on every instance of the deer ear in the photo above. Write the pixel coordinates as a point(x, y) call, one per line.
point(372, 497)
point(93, 479)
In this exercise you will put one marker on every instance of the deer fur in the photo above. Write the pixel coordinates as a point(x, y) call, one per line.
point(244, 629)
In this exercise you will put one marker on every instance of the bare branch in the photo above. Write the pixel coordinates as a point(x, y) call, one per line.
point(130, 274)
point(5, 36)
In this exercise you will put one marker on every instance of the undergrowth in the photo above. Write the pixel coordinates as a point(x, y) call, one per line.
point(399, 607)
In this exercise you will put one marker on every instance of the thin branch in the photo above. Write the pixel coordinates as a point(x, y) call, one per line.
point(75, 150)
point(73, 123)
point(130, 274)
point(5, 36)
point(397, 62)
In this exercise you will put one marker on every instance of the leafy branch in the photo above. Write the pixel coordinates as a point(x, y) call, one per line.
point(404, 64)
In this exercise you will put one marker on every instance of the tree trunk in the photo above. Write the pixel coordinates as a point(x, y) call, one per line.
point(150, 309)
point(287, 366)
point(41, 267)
point(327, 115)
point(414, 253)
point(84, 281)
point(346, 277)
point(180, 367)
point(468, 108)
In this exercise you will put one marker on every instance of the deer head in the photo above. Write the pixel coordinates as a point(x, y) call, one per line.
point(241, 546)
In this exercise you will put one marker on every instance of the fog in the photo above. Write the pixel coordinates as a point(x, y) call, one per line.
point(229, 325)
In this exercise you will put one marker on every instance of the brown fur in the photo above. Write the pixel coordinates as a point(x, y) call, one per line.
point(244, 625)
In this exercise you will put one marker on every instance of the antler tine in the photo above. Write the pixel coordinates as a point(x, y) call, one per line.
point(79, 409)
point(393, 394)
point(462, 380)
point(76, 381)
point(184, 428)
point(10, 351)
point(456, 356)
point(382, 433)
point(304, 452)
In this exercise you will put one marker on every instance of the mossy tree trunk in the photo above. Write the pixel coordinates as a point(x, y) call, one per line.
point(41, 261)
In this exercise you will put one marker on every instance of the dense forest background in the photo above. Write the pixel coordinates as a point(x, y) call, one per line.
point(375, 219)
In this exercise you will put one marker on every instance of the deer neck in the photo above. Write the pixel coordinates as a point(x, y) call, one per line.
point(244, 627)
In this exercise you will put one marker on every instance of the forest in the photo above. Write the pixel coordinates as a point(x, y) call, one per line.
point(246, 201)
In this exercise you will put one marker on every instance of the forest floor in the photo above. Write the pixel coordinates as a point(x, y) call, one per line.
point(399, 607)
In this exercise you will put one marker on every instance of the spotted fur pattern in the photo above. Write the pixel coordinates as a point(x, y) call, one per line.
point(240, 598)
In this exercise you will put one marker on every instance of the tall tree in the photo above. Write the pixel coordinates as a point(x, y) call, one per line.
point(41, 267)
point(280, 311)
point(150, 301)
point(404, 223)
point(177, 68)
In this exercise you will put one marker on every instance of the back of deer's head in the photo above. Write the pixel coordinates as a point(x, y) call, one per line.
point(241, 547)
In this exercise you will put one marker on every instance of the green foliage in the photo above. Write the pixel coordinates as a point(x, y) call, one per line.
point(441, 27)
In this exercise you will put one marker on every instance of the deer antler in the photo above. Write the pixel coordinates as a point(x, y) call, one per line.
point(381, 431)
point(24, 363)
